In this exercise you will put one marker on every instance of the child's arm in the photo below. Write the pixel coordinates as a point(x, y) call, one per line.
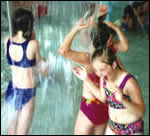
point(98, 92)
point(136, 105)
point(65, 48)
point(122, 44)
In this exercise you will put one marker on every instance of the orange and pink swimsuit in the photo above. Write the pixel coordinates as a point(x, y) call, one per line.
point(96, 111)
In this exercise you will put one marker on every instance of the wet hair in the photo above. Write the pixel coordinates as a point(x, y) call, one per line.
point(22, 20)
point(102, 18)
point(106, 55)
point(101, 34)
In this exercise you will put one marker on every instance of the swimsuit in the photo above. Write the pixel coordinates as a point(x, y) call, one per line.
point(111, 97)
point(117, 128)
point(95, 111)
point(127, 129)
point(17, 97)
point(25, 62)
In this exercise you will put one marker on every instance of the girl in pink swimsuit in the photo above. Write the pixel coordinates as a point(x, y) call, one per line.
point(120, 90)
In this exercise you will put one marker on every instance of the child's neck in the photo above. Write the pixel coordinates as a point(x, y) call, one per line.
point(115, 75)
point(19, 35)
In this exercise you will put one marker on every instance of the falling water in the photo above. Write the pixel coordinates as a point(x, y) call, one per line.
point(9, 20)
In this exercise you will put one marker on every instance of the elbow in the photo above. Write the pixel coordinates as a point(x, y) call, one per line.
point(61, 52)
point(127, 47)
point(64, 52)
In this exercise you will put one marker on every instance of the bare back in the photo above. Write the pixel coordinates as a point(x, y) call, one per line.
point(21, 77)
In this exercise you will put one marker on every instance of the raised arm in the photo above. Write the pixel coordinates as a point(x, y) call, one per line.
point(122, 44)
point(65, 48)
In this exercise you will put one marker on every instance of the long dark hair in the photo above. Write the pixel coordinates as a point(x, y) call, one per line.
point(101, 34)
point(23, 20)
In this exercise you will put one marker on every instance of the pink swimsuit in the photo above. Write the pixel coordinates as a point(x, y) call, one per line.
point(117, 128)
point(96, 111)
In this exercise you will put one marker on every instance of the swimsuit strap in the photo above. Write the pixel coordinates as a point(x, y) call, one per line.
point(124, 81)
point(113, 48)
point(24, 62)
point(104, 83)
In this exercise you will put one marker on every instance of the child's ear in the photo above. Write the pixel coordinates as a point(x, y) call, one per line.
point(114, 65)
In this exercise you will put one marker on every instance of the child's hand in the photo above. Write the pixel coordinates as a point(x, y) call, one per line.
point(80, 25)
point(80, 72)
point(103, 9)
point(43, 67)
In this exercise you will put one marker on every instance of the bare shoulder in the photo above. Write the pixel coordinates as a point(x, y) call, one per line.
point(132, 85)
point(34, 44)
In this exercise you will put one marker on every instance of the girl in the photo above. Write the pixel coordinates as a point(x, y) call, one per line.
point(93, 114)
point(23, 54)
point(120, 89)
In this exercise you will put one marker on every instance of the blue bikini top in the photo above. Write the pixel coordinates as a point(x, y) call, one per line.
point(24, 62)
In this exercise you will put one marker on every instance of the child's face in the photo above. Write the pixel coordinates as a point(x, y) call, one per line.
point(102, 69)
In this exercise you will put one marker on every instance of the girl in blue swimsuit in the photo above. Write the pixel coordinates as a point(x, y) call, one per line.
point(23, 55)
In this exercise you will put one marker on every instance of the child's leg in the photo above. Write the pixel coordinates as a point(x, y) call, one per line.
point(99, 129)
point(12, 127)
point(108, 131)
point(25, 118)
point(83, 125)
